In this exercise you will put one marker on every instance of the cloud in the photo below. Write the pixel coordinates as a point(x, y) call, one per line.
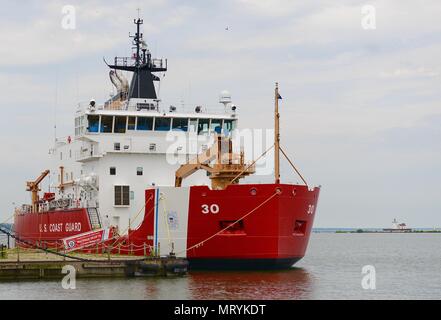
point(408, 72)
point(275, 8)
point(43, 41)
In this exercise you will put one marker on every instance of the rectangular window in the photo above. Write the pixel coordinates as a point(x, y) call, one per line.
point(203, 126)
point(162, 124)
point(216, 125)
point(132, 123)
point(120, 125)
point(139, 171)
point(112, 171)
point(94, 123)
point(229, 125)
point(106, 124)
point(144, 123)
point(122, 195)
point(193, 125)
point(116, 146)
point(180, 124)
point(152, 147)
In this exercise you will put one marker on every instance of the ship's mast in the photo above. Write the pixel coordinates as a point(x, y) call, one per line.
point(137, 40)
point(276, 135)
point(144, 67)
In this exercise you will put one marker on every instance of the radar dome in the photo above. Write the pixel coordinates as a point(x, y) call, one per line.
point(225, 97)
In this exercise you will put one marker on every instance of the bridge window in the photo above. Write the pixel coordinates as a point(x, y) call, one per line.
point(120, 125)
point(80, 126)
point(144, 123)
point(139, 171)
point(193, 125)
point(162, 124)
point(180, 124)
point(112, 171)
point(94, 123)
point(203, 126)
point(122, 195)
point(216, 125)
point(132, 123)
point(106, 124)
point(229, 125)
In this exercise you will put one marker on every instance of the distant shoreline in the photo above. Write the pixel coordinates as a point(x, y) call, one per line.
point(373, 230)
point(395, 231)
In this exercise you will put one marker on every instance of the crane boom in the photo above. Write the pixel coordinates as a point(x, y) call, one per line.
point(34, 187)
point(228, 165)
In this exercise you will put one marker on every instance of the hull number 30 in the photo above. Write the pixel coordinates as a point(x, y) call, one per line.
point(213, 208)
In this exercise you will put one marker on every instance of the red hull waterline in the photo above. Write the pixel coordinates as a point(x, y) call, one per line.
point(251, 226)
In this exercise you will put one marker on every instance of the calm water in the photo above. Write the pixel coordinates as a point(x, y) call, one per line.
point(408, 266)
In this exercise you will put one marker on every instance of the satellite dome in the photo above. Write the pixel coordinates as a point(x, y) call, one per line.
point(225, 97)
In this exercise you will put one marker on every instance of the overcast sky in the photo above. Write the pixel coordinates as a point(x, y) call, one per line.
point(361, 111)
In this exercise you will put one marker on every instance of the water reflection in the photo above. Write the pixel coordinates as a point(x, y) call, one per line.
point(295, 283)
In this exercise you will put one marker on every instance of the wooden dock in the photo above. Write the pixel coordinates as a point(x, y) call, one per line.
point(19, 265)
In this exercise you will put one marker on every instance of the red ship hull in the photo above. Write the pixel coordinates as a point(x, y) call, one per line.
point(252, 226)
point(46, 229)
point(274, 235)
point(270, 225)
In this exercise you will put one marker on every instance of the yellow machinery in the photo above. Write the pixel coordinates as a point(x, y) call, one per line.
point(228, 167)
point(33, 187)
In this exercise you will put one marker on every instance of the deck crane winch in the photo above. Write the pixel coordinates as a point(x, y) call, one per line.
point(34, 188)
point(227, 169)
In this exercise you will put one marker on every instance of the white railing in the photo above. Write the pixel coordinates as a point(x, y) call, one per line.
point(164, 107)
point(86, 153)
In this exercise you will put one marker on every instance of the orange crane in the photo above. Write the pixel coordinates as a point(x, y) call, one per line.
point(63, 184)
point(33, 187)
point(228, 168)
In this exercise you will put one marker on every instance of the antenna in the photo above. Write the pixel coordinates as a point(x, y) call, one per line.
point(276, 135)
point(55, 107)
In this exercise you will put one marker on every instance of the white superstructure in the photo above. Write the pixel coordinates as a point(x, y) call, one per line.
point(116, 154)
point(129, 142)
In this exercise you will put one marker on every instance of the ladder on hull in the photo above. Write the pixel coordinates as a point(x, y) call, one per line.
point(94, 218)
